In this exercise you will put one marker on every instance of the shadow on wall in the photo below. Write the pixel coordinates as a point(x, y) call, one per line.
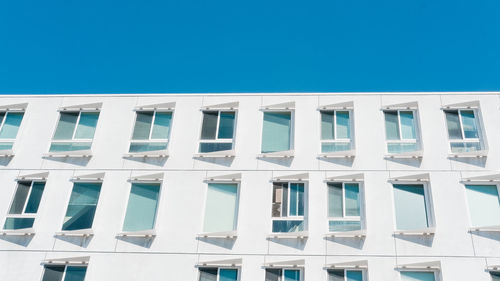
point(480, 162)
point(226, 243)
point(82, 241)
point(346, 161)
point(144, 242)
point(424, 240)
point(298, 244)
point(78, 161)
point(353, 242)
point(226, 161)
point(21, 240)
point(287, 162)
point(158, 161)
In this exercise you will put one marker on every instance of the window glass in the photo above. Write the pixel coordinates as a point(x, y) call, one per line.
point(142, 125)
point(161, 127)
point(20, 197)
point(141, 208)
point(66, 126)
point(343, 207)
point(273, 274)
point(228, 274)
point(11, 125)
point(82, 206)
point(327, 126)
point(86, 125)
point(495, 276)
point(469, 124)
point(276, 135)
point(53, 273)
point(292, 275)
point(343, 125)
point(288, 202)
point(335, 200)
point(453, 123)
point(411, 212)
point(344, 275)
point(35, 197)
point(407, 125)
point(75, 273)
point(351, 199)
point(296, 199)
point(484, 205)
point(354, 275)
point(391, 125)
point(142, 147)
point(417, 276)
point(336, 275)
point(208, 274)
point(18, 223)
point(221, 207)
point(209, 126)
point(226, 125)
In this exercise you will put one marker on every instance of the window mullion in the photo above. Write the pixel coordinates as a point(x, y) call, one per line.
point(4, 118)
point(152, 124)
point(343, 200)
point(461, 124)
point(288, 194)
point(27, 198)
point(76, 125)
point(334, 125)
point(217, 126)
point(399, 125)
point(64, 273)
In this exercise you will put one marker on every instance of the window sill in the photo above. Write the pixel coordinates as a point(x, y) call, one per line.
point(76, 233)
point(8, 153)
point(347, 234)
point(290, 235)
point(216, 154)
point(223, 235)
point(279, 154)
point(339, 154)
point(416, 232)
point(138, 234)
point(406, 155)
point(148, 154)
point(18, 232)
point(476, 154)
point(494, 228)
point(69, 154)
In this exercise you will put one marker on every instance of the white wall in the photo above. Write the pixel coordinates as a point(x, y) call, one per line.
point(175, 250)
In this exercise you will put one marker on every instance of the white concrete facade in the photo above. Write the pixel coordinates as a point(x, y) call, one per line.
point(175, 251)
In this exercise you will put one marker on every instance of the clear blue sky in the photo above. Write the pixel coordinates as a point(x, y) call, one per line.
point(130, 46)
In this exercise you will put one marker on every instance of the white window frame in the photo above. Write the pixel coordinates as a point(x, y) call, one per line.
point(292, 129)
point(65, 268)
point(435, 271)
point(73, 140)
point(300, 269)
point(335, 139)
point(467, 204)
point(150, 140)
point(363, 274)
point(359, 218)
point(288, 217)
point(416, 140)
point(217, 139)
point(464, 139)
point(429, 207)
point(238, 269)
point(23, 214)
point(204, 210)
point(128, 198)
point(3, 123)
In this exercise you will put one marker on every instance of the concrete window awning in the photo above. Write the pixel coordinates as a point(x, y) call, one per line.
point(288, 178)
point(410, 178)
point(221, 235)
point(347, 234)
point(168, 106)
point(18, 232)
point(338, 154)
point(216, 154)
point(18, 107)
point(462, 105)
point(493, 178)
point(76, 233)
point(401, 106)
point(82, 107)
point(96, 177)
point(289, 235)
point(431, 266)
point(361, 264)
point(149, 178)
point(33, 177)
point(150, 233)
point(220, 263)
point(346, 178)
point(338, 106)
point(222, 106)
point(285, 264)
point(224, 178)
point(148, 154)
point(416, 232)
point(286, 106)
point(68, 261)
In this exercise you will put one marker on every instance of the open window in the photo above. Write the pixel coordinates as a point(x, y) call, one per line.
point(65, 269)
point(11, 117)
point(277, 130)
point(413, 207)
point(402, 130)
point(347, 271)
point(289, 207)
point(24, 207)
point(484, 206)
point(218, 274)
point(75, 130)
point(336, 131)
point(464, 129)
point(344, 207)
point(218, 130)
point(141, 212)
point(151, 130)
point(221, 210)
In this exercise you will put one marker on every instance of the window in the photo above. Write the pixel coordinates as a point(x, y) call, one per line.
point(401, 131)
point(82, 206)
point(288, 207)
point(344, 207)
point(417, 276)
point(484, 205)
point(412, 209)
point(217, 132)
point(335, 131)
point(24, 206)
point(218, 274)
point(495, 276)
point(282, 274)
point(141, 208)
point(221, 209)
point(151, 131)
point(9, 125)
point(75, 131)
point(64, 273)
point(277, 132)
point(463, 130)
point(345, 275)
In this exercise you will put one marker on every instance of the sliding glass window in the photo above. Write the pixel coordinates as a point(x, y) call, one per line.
point(142, 206)
point(217, 132)
point(344, 275)
point(463, 130)
point(24, 206)
point(401, 131)
point(64, 273)
point(218, 274)
point(344, 207)
point(151, 131)
point(277, 132)
point(9, 126)
point(283, 274)
point(335, 131)
point(75, 131)
point(288, 207)
point(221, 208)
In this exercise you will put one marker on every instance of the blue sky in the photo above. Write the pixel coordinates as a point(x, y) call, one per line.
point(133, 46)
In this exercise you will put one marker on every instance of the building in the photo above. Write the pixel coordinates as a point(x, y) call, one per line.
point(358, 186)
